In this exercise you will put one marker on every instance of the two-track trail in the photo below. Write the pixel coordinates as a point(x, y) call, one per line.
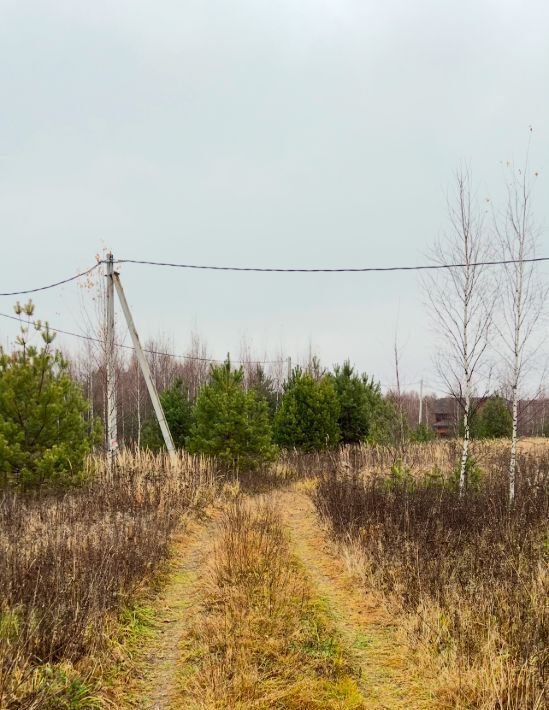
point(387, 677)
point(383, 676)
point(181, 597)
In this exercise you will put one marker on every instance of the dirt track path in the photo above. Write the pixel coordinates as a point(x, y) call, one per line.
point(158, 685)
point(387, 678)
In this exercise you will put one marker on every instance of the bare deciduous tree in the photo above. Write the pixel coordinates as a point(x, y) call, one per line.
point(461, 300)
point(523, 295)
point(401, 431)
point(195, 369)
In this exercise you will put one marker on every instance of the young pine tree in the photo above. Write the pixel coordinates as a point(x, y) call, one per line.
point(307, 418)
point(387, 425)
point(178, 411)
point(264, 388)
point(44, 435)
point(495, 420)
point(360, 401)
point(230, 423)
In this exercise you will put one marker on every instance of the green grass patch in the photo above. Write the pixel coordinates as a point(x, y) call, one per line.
point(362, 642)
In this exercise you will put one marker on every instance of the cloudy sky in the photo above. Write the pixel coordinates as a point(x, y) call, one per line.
point(302, 133)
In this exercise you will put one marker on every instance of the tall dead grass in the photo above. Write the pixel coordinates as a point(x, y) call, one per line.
point(469, 574)
point(261, 639)
point(69, 561)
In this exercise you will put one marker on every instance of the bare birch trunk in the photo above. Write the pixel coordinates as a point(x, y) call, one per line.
point(519, 317)
point(462, 303)
point(465, 448)
point(399, 395)
point(466, 369)
point(523, 294)
point(513, 460)
point(138, 408)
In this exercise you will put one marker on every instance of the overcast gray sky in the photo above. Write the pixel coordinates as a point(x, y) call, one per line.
point(306, 133)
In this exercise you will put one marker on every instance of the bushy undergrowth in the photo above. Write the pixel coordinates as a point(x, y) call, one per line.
point(69, 562)
point(469, 572)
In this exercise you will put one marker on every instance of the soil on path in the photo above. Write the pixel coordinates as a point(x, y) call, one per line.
point(387, 677)
point(157, 687)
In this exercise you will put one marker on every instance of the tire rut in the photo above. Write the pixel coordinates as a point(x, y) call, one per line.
point(387, 678)
point(157, 689)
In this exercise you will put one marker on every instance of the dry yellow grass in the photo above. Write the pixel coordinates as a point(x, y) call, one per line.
point(72, 567)
point(389, 676)
point(469, 589)
point(263, 638)
point(259, 609)
point(152, 680)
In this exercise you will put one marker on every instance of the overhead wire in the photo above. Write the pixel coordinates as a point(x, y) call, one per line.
point(291, 270)
point(130, 347)
point(53, 285)
point(174, 355)
point(209, 267)
point(360, 269)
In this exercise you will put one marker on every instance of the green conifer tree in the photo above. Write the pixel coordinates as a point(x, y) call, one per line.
point(263, 386)
point(230, 423)
point(44, 434)
point(307, 418)
point(360, 401)
point(178, 412)
point(495, 420)
point(424, 433)
point(387, 427)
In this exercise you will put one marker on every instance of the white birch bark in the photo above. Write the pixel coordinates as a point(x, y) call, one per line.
point(523, 296)
point(461, 300)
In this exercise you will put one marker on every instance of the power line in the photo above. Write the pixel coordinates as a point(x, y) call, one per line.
point(147, 350)
point(55, 330)
point(174, 355)
point(365, 269)
point(57, 283)
point(123, 346)
point(204, 267)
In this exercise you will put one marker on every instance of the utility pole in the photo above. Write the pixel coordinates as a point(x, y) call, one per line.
point(289, 368)
point(420, 402)
point(144, 367)
point(112, 434)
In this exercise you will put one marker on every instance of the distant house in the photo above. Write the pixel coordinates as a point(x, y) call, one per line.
point(446, 412)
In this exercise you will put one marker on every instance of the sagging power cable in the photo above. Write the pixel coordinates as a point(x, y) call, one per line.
point(130, 347)
point(360, 269)
point(291, 270)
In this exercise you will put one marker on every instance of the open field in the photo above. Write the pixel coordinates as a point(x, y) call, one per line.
point(465, 576)
point(165, 586)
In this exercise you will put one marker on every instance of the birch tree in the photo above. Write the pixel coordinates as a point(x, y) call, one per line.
point(523, 295)
point(461, 301)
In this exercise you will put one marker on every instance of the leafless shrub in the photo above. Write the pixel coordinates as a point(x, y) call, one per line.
point(467, 571)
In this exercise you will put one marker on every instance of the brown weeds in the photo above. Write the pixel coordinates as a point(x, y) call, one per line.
point(469, 573)
point(69, 560)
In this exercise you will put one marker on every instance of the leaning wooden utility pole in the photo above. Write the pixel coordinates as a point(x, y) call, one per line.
point(144, 365)
point(112, 434)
